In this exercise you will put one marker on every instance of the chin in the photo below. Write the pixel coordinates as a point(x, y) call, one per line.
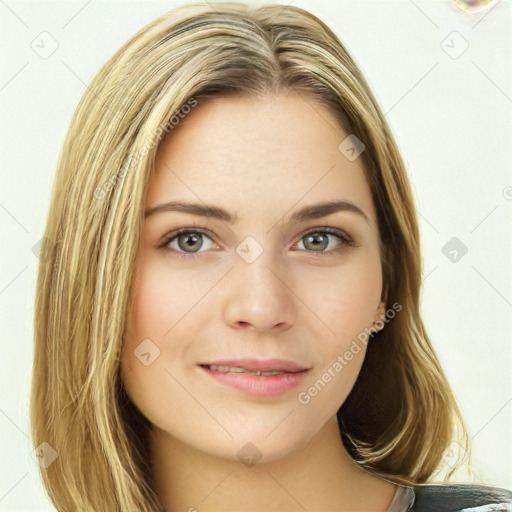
point(264, 447)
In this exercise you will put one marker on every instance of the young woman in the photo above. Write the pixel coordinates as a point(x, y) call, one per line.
point(227, 316)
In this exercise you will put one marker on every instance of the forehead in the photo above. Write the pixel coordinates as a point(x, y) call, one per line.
point(243, 152)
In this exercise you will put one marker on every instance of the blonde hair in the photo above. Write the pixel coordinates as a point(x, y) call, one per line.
point(401, 413)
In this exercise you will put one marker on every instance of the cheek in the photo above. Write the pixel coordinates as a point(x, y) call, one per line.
point(357, 298)
point(347, 297)
point(151, 316)
point(161, 298)
point(159, 323)
point(152, 307)
point(147, 355)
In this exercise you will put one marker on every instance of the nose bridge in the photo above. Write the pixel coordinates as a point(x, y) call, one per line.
point(258, 291)
point(258, 266)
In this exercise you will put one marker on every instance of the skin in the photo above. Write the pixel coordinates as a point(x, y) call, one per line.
point(262, 159)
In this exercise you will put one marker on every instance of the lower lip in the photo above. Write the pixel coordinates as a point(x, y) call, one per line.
point(263, 386)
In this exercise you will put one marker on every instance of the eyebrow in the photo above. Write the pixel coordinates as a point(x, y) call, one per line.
point(314, 211)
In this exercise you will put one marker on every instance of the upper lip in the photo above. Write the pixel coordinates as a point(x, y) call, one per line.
point(262, 365)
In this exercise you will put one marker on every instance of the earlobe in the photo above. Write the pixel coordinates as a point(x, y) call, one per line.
point(381, 312)
point(378, 319)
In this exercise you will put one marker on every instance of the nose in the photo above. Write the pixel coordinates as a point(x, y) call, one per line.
point(259, 296)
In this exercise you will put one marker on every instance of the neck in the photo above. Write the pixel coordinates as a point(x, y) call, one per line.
point(320, 477)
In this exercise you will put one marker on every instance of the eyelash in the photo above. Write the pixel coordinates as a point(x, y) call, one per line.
point(346, 241)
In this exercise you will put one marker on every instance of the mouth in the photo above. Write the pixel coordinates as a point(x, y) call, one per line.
point(263, 378)
point(236, 369)
point(256, 366)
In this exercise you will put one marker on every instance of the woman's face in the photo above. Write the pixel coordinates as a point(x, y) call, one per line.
point(263, 287)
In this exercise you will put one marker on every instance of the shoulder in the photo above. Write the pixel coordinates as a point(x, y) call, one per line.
point(458, 497)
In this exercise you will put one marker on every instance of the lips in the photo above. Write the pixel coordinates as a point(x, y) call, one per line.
point(263, 378)
point(258, 365)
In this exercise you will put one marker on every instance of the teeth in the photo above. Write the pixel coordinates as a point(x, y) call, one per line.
point(235, 369)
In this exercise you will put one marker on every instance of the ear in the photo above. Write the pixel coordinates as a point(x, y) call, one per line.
point(380, 313)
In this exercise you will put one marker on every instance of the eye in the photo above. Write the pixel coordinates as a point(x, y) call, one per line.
point(187, 242)
point(182, 240)
point(316, 241)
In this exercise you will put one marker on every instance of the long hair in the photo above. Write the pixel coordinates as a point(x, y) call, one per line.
point(401, 413)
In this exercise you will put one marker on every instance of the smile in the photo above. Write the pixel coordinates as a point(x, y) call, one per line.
point(235, 369)
point(259, 383)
